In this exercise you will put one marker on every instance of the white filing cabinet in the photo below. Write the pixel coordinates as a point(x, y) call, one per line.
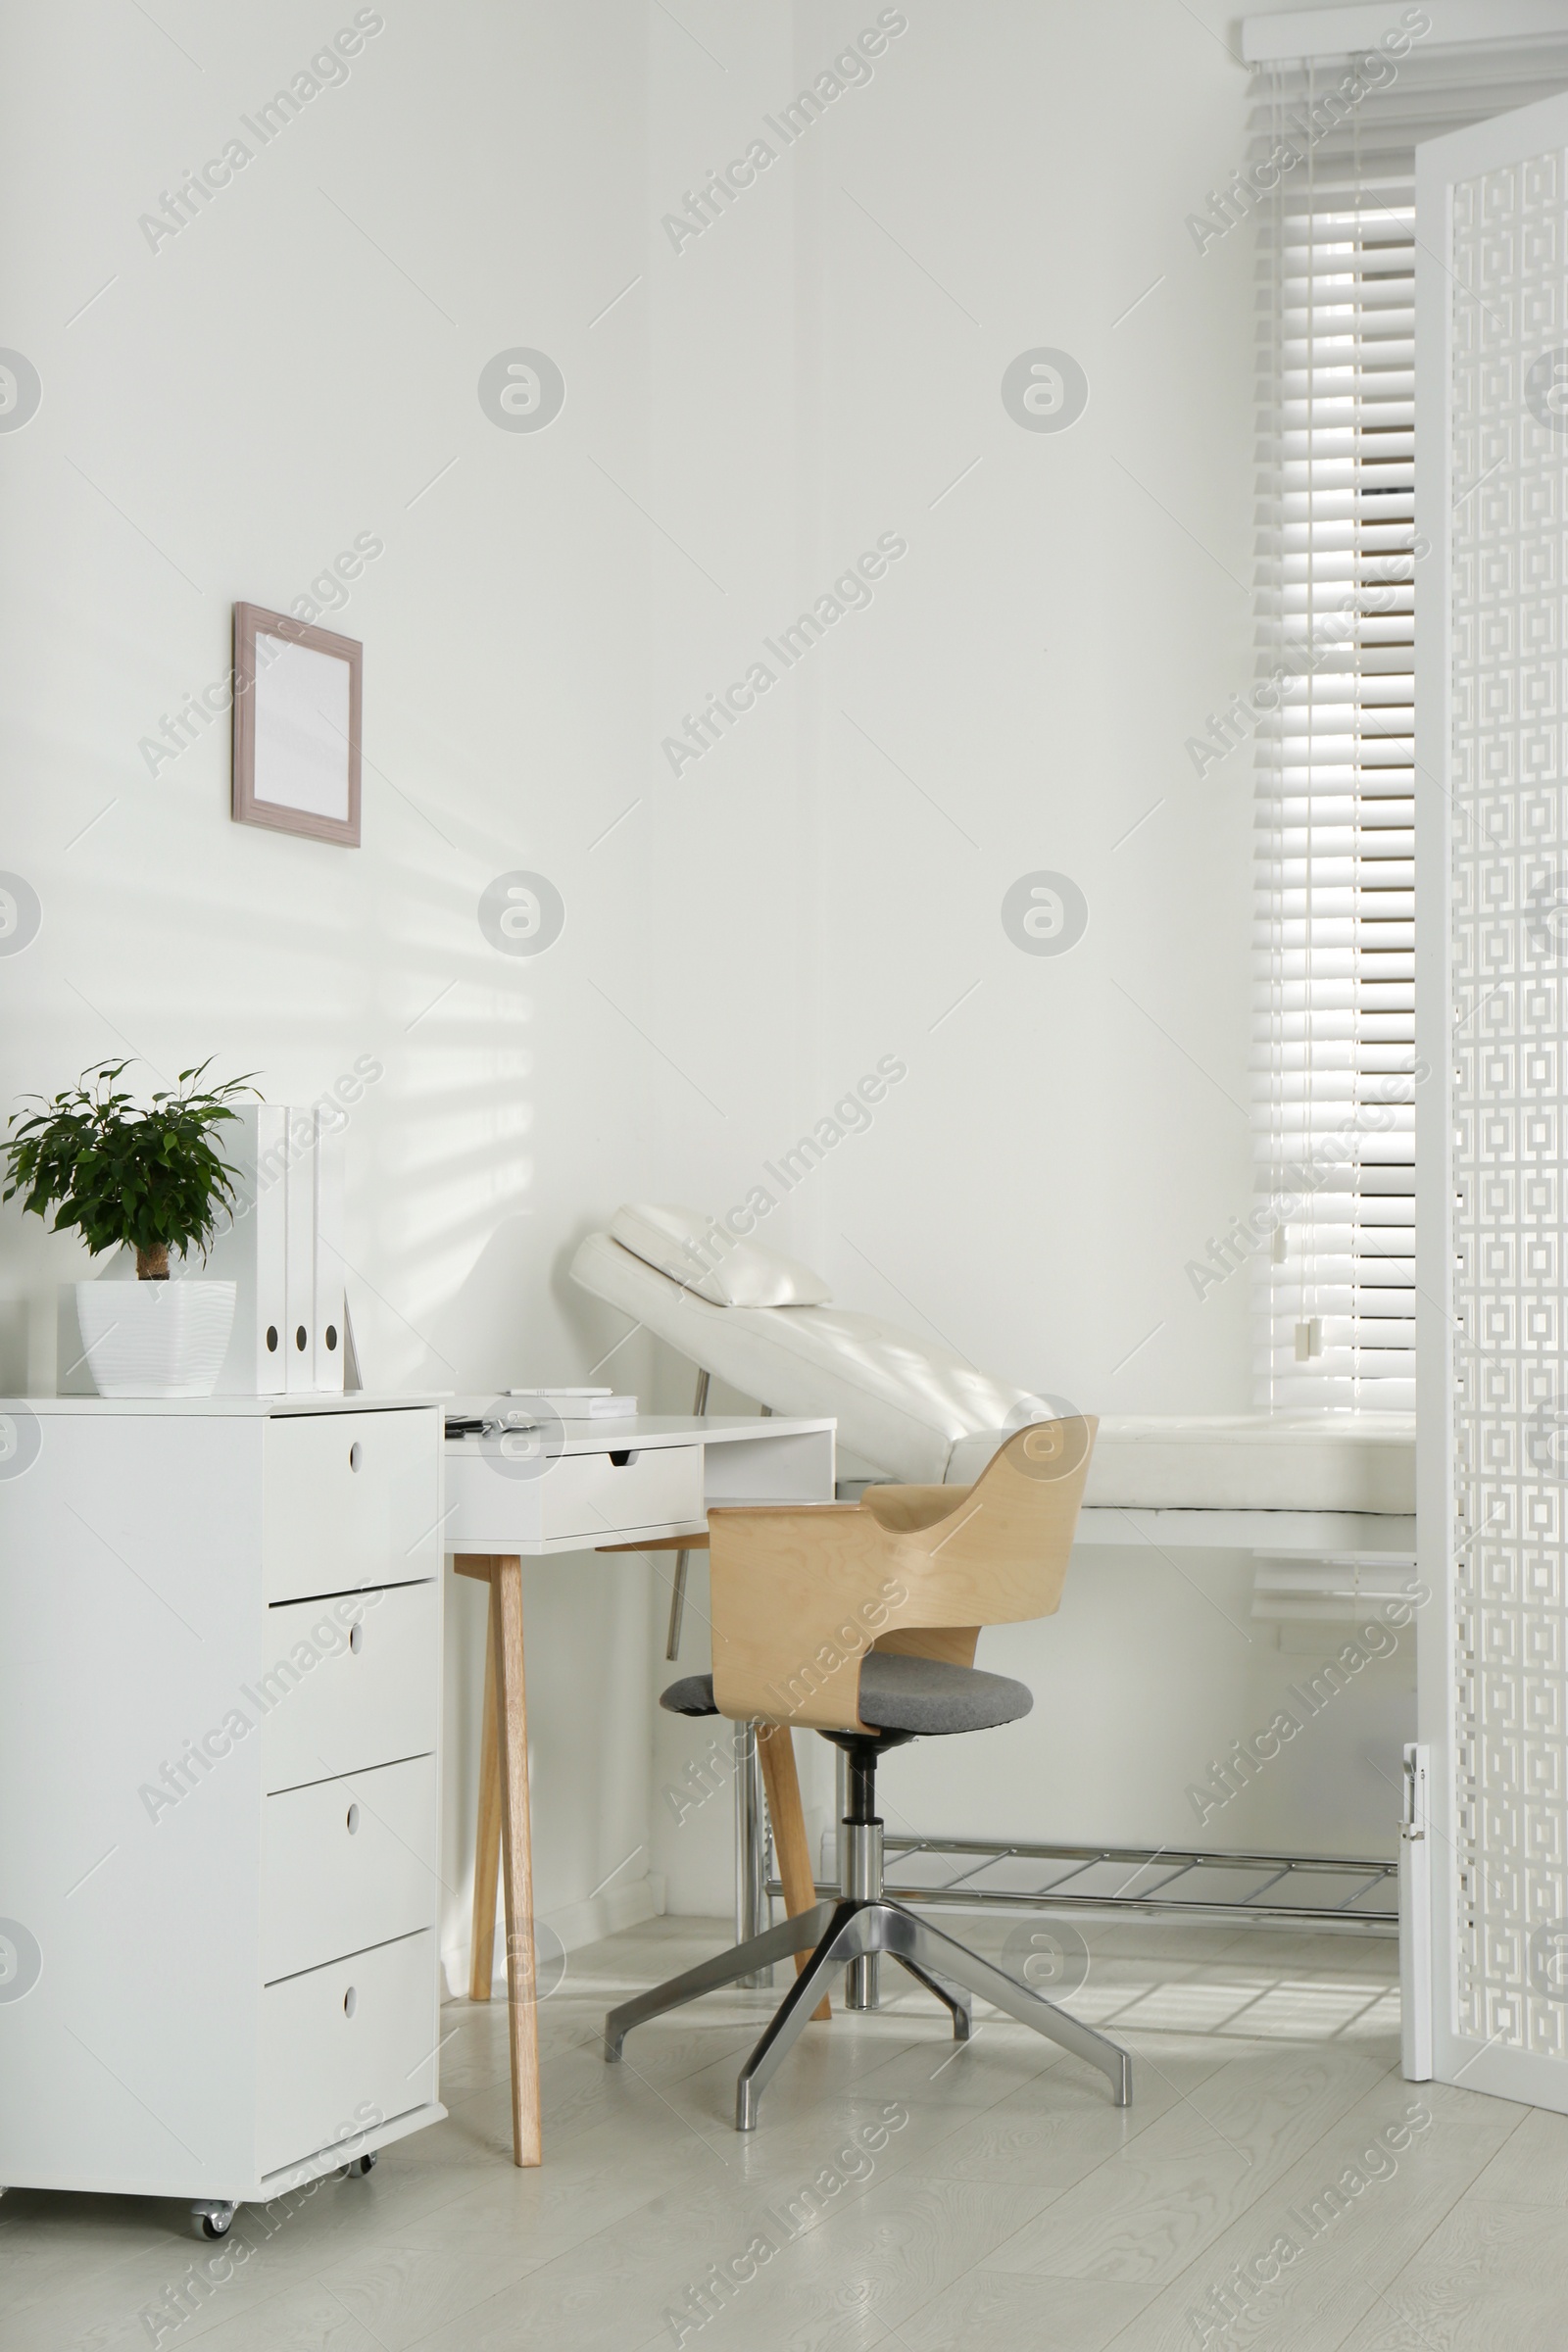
point(219, 1744)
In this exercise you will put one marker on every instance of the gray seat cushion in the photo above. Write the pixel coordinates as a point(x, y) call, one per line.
point(924, 1697)
point(693, 1694)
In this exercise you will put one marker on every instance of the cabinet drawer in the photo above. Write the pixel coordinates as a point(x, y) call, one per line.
point(345, 2047)
point(346, 1864)
point(371, 1693)
point(587, 1494)
point(351, 1500)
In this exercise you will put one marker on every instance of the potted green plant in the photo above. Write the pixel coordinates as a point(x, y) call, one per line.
point(147, 1178)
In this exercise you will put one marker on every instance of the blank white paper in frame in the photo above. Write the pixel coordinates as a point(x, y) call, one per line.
point(298, 705)
point(302, 728)
point(1491, 1157)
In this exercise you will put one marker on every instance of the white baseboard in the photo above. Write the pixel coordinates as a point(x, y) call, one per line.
point(573, 1926)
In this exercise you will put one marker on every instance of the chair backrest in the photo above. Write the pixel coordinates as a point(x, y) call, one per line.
point(1000, 1555)
point(799, 1594)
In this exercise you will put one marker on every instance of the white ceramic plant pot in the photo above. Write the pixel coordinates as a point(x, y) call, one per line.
point(155, 1339)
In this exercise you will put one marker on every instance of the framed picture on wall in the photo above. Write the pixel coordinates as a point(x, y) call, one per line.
point(297, 700)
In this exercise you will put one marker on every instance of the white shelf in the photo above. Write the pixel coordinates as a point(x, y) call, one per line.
point(244, 1408)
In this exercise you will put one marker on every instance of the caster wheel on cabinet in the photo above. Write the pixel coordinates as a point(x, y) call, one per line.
point(211, 2221)
point(362, 2165)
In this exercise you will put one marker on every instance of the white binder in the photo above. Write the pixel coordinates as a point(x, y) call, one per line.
point(327, 1332)
point(281, 1247)
point(299, 1289)
point(249, 1249)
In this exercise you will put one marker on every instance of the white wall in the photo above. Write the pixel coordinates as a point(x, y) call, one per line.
point(299, 366)
point(1071, 1134)
point(1035, 664)
point(229, 413)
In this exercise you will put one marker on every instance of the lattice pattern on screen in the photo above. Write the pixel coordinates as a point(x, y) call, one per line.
point(1510, 939)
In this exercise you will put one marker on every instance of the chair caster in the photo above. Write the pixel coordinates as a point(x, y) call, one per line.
point(358, 2166)
point(211, 2220)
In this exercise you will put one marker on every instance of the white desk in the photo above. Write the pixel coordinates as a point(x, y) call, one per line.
point(609, 1482)
point(587, 1484)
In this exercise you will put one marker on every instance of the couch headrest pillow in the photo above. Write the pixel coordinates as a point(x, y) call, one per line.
point(701, 1255)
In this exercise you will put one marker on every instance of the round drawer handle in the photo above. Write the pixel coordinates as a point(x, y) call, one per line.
point(351, 2001)
point(356, 1636)
point(352, 1819)
point(356, 1456)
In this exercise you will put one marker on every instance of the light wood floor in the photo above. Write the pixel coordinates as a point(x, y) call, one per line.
point(1275, 2183)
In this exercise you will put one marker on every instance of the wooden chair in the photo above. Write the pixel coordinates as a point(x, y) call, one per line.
point(860, 1620)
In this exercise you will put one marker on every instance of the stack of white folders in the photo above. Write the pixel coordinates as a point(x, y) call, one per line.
point(578, 1405)
point(280, 1246)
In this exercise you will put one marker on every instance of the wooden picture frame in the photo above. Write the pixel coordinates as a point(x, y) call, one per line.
point(298, 697)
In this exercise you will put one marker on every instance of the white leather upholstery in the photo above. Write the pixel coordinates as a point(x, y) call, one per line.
point(922, 1415)
point(1240, 1462)
point(697, 1253)
point(899, 1403)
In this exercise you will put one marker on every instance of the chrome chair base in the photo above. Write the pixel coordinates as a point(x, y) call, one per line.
point(838, 1935)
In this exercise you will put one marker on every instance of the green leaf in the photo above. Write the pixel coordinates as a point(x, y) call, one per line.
point(117, 1173)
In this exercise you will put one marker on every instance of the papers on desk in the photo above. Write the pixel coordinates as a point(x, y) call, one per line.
point(577, 1405)
point(535, 1409)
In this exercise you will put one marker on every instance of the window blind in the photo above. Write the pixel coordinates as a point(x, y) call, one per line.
point(1338, 585)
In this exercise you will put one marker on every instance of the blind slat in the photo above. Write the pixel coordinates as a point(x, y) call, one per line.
point(1337, 581)
point(1334, 1039)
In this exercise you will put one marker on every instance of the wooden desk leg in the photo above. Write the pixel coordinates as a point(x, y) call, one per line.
point(775, 1746)
point(512, 1723)
point(487, 1837)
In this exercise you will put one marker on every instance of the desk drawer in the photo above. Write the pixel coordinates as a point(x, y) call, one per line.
point(352, 1683)
point(350, 1500)
point(346, 1864)
point(345, 2047)
point(587, 1494)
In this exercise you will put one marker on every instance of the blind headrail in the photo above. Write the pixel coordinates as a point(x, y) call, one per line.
point(1332, 32)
